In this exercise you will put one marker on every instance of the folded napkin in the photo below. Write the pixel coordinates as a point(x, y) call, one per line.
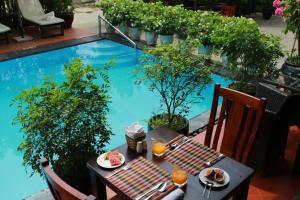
point(175, 195)
point(135, 130)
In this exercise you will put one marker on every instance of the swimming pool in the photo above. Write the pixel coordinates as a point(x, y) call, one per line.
point(128, 102)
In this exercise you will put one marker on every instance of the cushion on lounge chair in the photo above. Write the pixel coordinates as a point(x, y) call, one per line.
point(45, 21)
point(32, 11)
point(3, 28)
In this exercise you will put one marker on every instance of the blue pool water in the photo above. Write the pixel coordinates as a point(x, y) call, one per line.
point(130, 103)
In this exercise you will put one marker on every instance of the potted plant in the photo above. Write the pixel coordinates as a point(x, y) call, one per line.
point(166, 24)
point(148, 21)
point(178, 77)
point(65, 122)
point(114, 12)
point(134, 21)
point(203, 24)
point(62, 9)
point(184, 21)
point(254, 59)
point(290, 10)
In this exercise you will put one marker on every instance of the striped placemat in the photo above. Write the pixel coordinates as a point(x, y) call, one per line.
point(192, 156)
point(141, 177)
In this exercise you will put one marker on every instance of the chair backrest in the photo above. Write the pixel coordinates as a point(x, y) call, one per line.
point(60, 189)
point(228, 11)
point(239, 117)
point(30, 8)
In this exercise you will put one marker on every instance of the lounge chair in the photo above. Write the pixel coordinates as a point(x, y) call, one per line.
point(32, 11)
point(4, 31)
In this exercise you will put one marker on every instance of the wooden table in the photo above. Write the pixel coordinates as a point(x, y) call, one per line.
point(239, 174)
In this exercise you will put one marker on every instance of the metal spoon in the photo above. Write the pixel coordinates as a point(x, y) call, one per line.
point(209, 163)
point(160, 189)
point(173, 146)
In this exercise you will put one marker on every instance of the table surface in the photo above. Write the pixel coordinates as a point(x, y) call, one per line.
point(239, 173)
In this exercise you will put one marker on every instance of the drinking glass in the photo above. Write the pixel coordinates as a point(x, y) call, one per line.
point(158, 147)
point(179, 176)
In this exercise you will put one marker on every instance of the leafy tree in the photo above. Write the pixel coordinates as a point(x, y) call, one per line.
point(65, 122)
point(176, 75)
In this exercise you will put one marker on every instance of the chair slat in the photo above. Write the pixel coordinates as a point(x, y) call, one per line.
point(232, 129)
point(242, 115)
point(245, 134)
point(212, 117)
point(220, 124)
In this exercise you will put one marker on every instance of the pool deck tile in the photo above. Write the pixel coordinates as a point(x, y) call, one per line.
point(70, 34)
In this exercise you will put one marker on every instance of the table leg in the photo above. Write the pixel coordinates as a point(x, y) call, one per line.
point(98, 188)
point(242, 192)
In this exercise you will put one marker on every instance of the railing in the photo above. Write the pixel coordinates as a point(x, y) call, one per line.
point(120, 32)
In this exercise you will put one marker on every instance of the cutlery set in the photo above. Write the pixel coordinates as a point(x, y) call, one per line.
point(160, 187)
point(180, 143)
point(209, 185)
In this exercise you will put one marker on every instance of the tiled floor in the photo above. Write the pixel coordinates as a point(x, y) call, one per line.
point(73, 33)
point(283, 185)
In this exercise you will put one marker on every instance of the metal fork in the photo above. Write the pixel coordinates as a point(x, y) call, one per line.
point(210, 184)
point(203, 193)
point(126, 167)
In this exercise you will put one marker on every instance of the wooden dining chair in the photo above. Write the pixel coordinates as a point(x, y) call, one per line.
point(239, 119)
point(228, 11)
point(60, 189)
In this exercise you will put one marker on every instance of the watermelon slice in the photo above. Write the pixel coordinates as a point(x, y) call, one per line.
point(115, 160)
point(111, 153)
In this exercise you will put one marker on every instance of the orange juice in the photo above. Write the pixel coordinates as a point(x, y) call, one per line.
point(179, 176)
point(158, 148)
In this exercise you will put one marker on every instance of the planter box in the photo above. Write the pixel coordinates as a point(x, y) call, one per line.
point(205, 49)
point(150, 37)
point(134, 33)
point(166, 39)
point(123, 27)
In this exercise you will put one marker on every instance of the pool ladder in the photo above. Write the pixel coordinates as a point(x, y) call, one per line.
point(100, 18)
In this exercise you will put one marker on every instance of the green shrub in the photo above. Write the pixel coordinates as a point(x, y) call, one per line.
point(65, 122)
point(251, 53)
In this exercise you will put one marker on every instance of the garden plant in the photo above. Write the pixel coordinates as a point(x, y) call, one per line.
point(65, 122)
point(250, 53)
point(290, 10)
point(178, 77)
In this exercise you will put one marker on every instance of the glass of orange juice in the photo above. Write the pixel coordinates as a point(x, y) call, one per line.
point(158, 147)
point(179, 176)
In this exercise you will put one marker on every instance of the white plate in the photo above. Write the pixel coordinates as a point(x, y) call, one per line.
point(203, 179)
point(106, 163)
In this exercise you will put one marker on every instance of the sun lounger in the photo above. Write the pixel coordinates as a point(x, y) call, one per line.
point(32, 11)
point(4, 30)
